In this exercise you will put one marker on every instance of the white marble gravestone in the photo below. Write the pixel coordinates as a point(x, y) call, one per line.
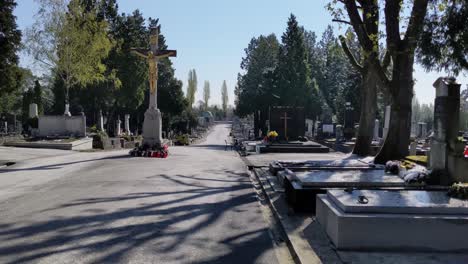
point(118, 129)
point(127, 124)
point(33, 111)
point(394, 220)
point(388, 110)
point(100, 122)
point(376, 130)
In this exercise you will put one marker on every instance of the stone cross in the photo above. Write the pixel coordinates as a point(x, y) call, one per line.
point(285, 118)
point(152, 128)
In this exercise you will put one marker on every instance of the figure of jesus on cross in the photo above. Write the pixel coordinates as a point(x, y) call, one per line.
point(153, 55)
point(152, 130)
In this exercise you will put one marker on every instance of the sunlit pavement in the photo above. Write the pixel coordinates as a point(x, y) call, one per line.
point(197, 206)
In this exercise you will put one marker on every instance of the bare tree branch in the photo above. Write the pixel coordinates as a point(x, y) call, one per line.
point(342, 21)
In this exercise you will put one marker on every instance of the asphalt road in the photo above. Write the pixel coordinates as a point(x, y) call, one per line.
point(197, 206)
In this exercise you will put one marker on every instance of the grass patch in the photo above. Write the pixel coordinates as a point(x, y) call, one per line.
point(421, 160)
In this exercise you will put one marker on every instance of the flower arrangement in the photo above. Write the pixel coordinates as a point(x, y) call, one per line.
point(272, 134)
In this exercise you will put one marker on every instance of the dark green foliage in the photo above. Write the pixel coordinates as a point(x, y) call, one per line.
point(443, 44)
point(254, 88)
point(294, 84)
point(10, 40)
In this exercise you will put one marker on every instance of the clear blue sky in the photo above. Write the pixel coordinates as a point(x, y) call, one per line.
point(211, 35)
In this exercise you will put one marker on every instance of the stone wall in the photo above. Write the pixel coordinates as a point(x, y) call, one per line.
point(62, 126)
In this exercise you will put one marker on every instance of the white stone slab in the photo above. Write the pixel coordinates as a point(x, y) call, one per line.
point(326, 163)
point(399, 202)
point(392, 232)
point(344, 178)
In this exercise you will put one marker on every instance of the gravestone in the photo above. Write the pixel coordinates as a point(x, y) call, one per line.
point(118, 129)
point(287, 121)
point(33, 111)
point(446, 124)
point(310, 127)
point(422, 130)
point(339, 132)
point(100, 121)
point(348, 130)
point(413, 148)
point(127, 124)
point(376, 130)
point(388, 110)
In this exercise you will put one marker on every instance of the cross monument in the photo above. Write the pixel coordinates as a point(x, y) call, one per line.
point(152, 124)
point(285, 118)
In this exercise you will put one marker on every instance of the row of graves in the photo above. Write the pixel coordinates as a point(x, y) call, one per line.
point(69, 132)
point(399, 206)
point(342, 137)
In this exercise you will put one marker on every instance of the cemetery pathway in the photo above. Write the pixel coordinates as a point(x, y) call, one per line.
point(197, 206)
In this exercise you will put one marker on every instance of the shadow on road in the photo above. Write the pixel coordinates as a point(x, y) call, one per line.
point(172, 222)
point(60, 165)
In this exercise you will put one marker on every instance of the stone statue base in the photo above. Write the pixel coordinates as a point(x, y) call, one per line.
point(153, 145)
point(152, 129)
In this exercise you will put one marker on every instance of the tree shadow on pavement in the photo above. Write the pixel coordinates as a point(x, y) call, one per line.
point(60, 165)
point(164, 221)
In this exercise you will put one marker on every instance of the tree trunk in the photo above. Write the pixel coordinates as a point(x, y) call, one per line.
point(367, 117)
point(398, 138)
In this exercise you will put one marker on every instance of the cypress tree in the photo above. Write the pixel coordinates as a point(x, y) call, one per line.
point(10, 40)
point(294, 84)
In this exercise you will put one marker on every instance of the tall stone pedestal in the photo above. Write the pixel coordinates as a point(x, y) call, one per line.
point(152, 129)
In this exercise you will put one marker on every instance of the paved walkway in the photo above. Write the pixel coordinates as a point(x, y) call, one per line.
point(197, 206)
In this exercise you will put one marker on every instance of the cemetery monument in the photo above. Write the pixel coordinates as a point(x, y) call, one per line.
point(152, 130)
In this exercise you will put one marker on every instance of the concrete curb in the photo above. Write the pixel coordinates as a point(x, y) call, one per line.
point(301, 253)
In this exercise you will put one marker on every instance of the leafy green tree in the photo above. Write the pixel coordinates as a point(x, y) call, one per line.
point(10, 41)
point(191, 87)
point(255, 87)
point(444, 40)
point(224, 97)
point(71, 42)
point(364, 19)
point(294, 83)
point(206, 93)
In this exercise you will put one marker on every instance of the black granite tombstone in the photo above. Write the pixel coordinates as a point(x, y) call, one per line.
point(288, 121)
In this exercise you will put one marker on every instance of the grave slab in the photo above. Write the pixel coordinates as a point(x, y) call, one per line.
point(304, 165)
point(396, 202)
point(410, 222)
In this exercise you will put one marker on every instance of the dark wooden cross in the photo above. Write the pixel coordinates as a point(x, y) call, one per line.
point(285, 118)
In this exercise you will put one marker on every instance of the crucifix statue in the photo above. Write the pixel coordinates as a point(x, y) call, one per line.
point(285, 118)
point(152, 124)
